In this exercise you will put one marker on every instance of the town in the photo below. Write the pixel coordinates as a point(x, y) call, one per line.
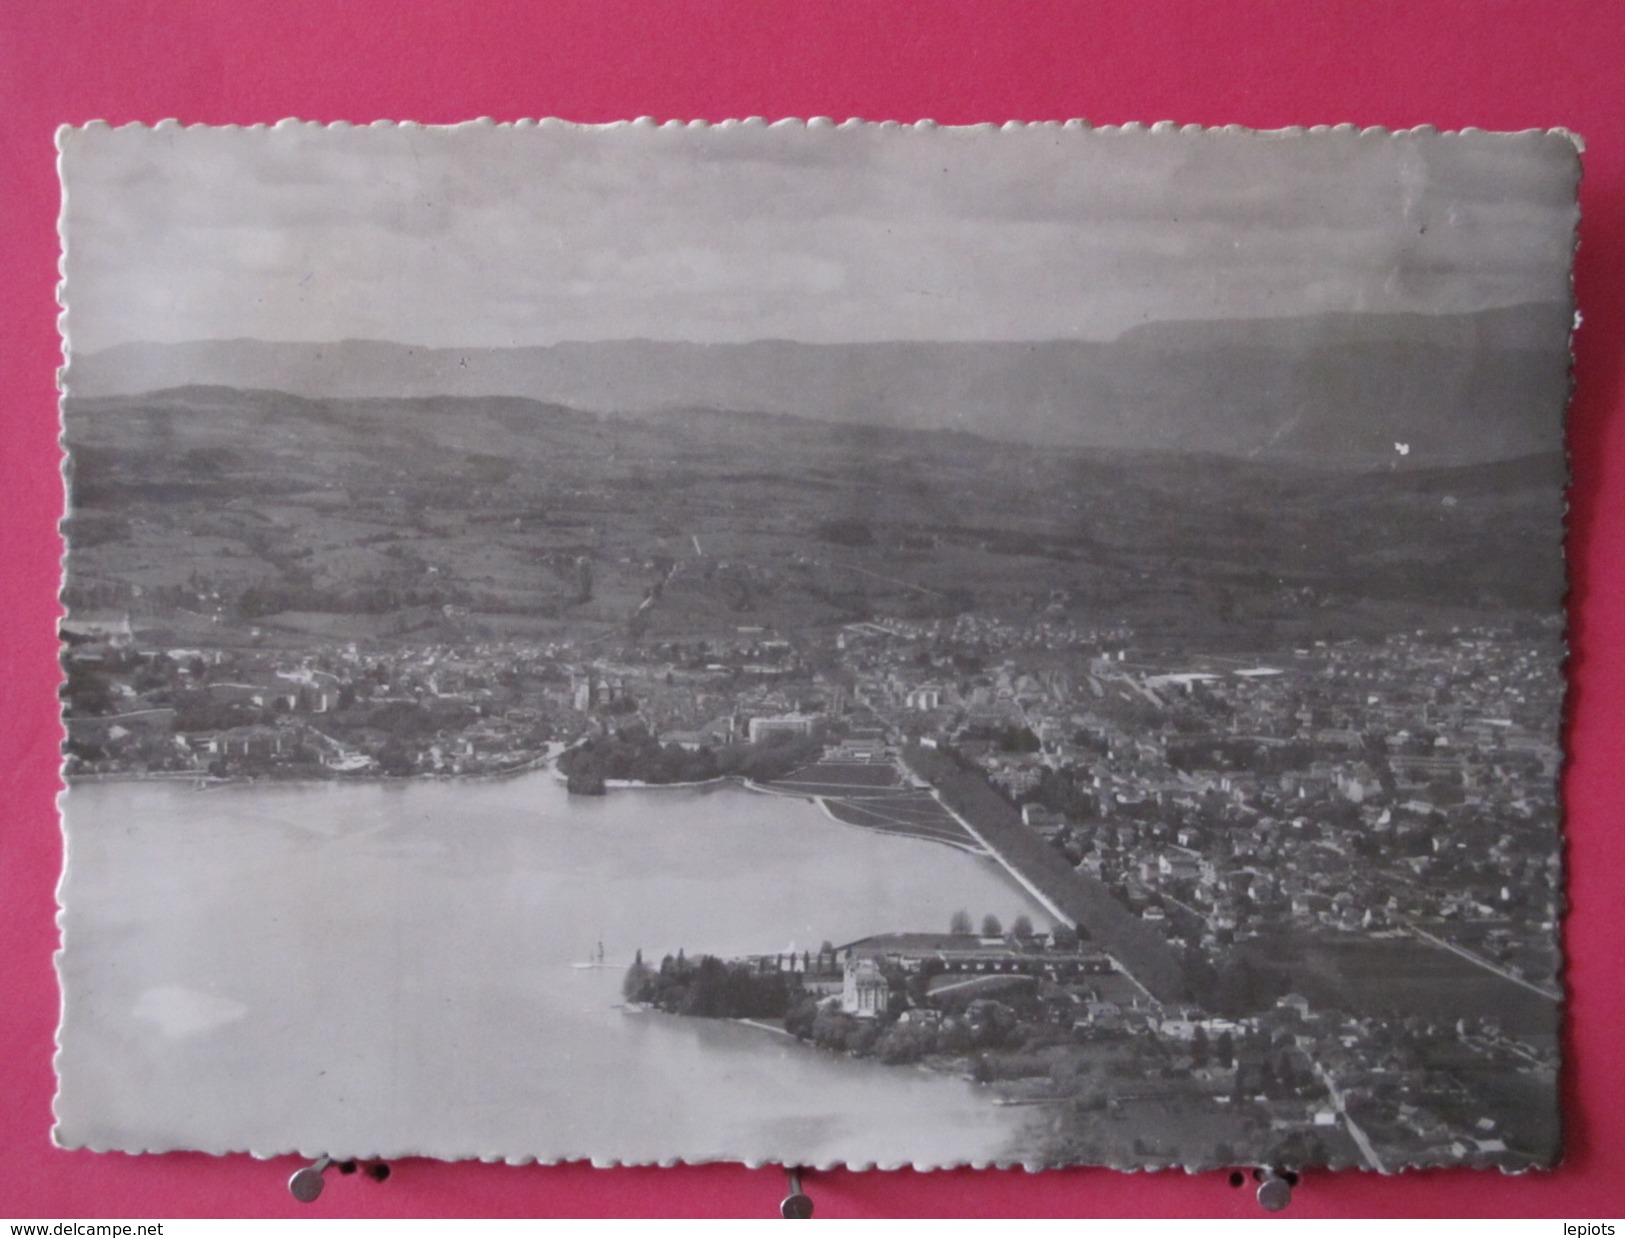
point(1344, 848)
point(1348, 786)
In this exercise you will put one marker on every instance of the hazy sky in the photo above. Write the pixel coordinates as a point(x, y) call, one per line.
point(490, 236)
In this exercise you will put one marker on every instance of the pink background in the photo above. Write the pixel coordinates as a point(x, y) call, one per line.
point(1494, 64)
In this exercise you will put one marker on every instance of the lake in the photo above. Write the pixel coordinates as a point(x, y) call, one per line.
point(385, 969)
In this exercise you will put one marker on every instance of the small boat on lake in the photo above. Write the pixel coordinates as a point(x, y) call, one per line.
point(595, 961)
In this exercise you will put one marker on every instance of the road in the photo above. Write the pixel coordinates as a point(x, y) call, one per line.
point(1361, 1139)
point(1073, 898)
point(1480, 961)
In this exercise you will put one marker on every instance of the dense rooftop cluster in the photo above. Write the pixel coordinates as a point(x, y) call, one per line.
point(1302, 829)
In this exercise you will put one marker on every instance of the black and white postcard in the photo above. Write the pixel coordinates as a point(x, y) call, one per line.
point(856, 644)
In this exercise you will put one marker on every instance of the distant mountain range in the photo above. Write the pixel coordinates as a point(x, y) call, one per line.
point(1336, 389)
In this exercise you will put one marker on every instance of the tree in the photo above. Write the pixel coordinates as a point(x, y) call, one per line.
point(991, 926)
point(798, 1020)
point(903, 1043)
point(393, 758)
point(637, 977)
point(960, 925)
point(1286, 1074)
point(1018, 739)
point(87, 691)
point(1021, 927)
point(830, 1029)
point(917, 987)
point(862, 1038)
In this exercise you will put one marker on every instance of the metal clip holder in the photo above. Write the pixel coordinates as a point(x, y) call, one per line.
point(796, 1206)
point(1275, 1188)
point(306, 1184)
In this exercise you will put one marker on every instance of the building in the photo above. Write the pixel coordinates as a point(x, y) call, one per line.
point(98, 627)
point(864, 991)
point(865, 745)
point(963, 954)
point(783, 724)
point(925, 698)
point(262, 742)
point(582, 694)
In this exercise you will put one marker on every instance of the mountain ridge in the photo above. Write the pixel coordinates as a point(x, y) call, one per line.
point(1339, 389)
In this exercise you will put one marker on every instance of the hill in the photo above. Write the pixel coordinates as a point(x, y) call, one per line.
point(1338, 390)
point(246, 507)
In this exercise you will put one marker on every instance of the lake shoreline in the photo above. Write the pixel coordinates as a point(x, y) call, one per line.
point(415, 877)
point(205, 779)
point(941, 1065)
point(547, 762)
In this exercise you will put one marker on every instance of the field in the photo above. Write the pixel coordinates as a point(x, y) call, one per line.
point(1412, 977)
point(1402, 977)
point(1177, 1131)
point(468, 518)
point(872, 795)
